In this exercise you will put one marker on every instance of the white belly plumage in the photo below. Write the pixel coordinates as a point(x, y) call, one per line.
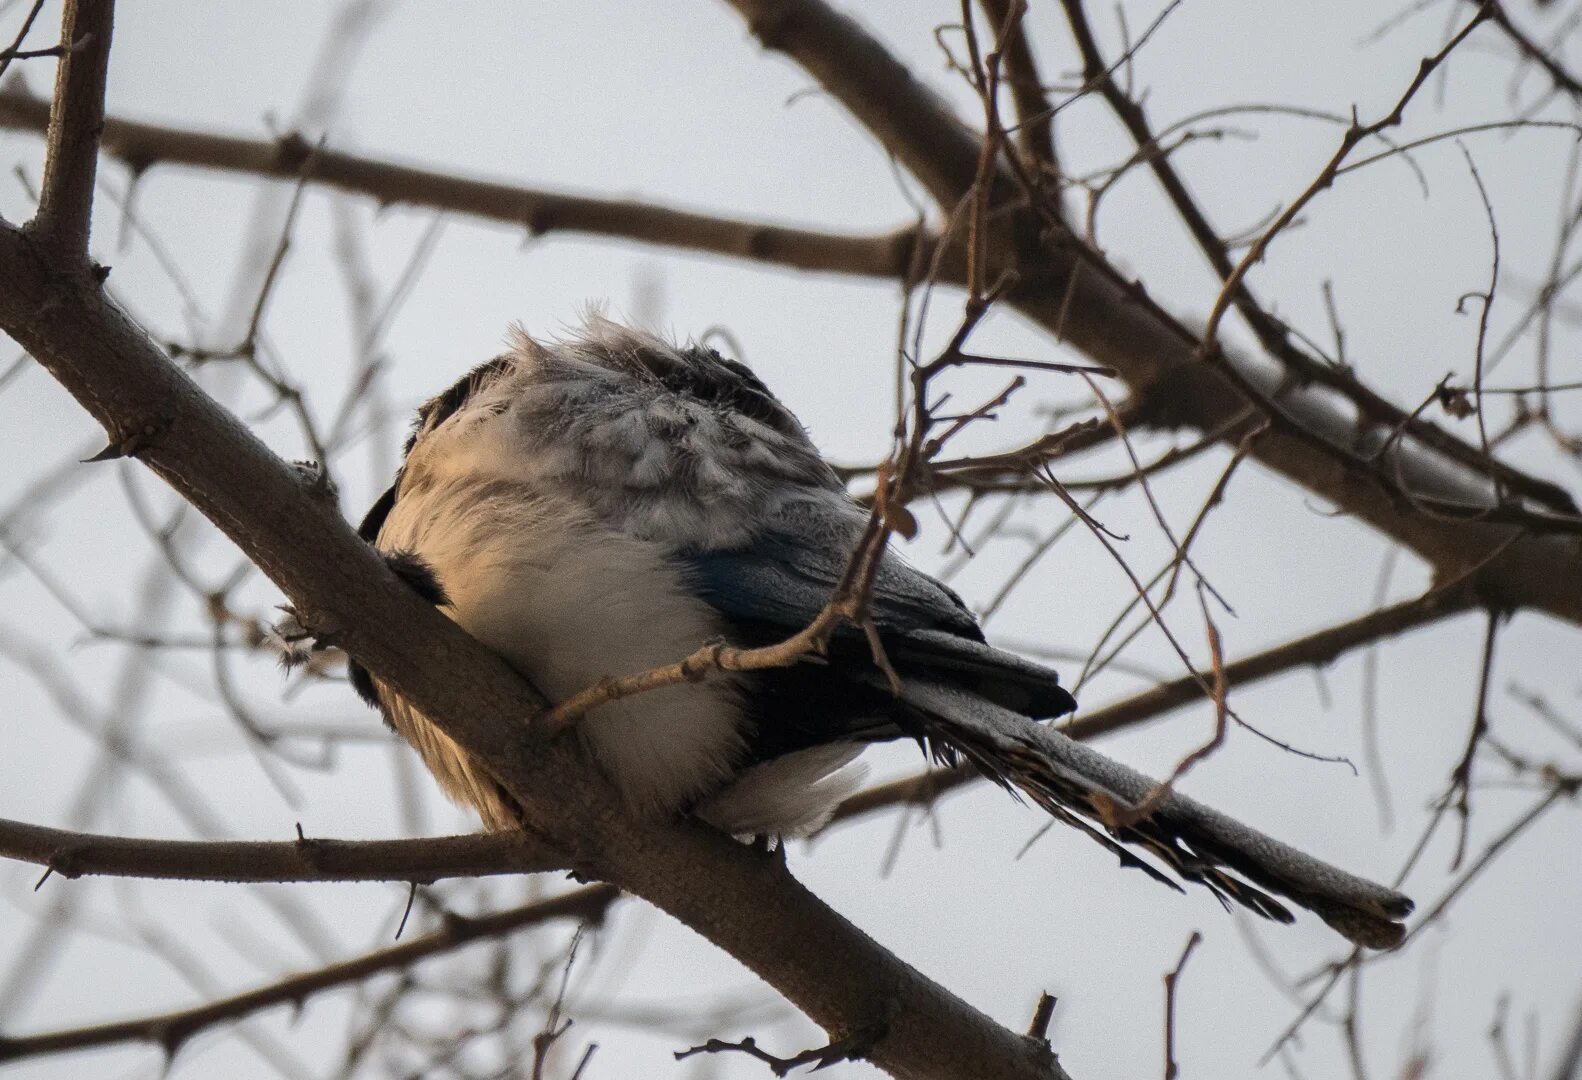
point(568, 600)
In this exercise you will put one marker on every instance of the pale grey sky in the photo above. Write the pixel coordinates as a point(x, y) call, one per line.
point(681, 106)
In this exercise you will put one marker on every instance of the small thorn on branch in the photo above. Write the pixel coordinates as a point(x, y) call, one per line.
point(129, 445)
point(406, 913)
point(316, 476)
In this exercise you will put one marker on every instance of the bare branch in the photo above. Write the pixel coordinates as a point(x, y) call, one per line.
point(908, 118)
point(1568, 1066)
point(1034, 128)
point(72, 156)
point(1461, 775)
point(1172, 978)
point(421, 859)
point(1355, 134)
point(851, 1048)
point(15, 50)
point(143, 146)
point(1273, 335)
point(1080, 297)
point(171, 1030)
point(1562, 79)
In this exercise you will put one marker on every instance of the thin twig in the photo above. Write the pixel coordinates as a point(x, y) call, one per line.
point(1172, 979)
point(171, 1030)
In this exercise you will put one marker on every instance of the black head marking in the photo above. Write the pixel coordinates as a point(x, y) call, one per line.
point(436, 410)
point(703, 374)
point(430, 415)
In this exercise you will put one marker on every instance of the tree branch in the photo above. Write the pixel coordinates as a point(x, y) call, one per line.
point(1562, 79)
point(427, 859)
point(1035, 124)
point(421, 859)
point(755, 911)
point(430, 858)
point(908, 118)
point(1568, 1066)
point(171, 1029)
point(1272, 334)
point(142, 146)
point(72, 154)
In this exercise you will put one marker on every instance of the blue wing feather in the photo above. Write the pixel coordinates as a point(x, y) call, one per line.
point(779, 584)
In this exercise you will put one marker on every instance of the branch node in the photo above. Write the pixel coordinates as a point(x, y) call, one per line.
point(171, 1037)
point(316, 478)
point(292, 151)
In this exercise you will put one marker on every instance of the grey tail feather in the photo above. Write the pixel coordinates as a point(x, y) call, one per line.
point(1085, 789)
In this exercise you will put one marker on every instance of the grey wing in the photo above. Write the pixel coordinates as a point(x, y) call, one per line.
point(779, 583)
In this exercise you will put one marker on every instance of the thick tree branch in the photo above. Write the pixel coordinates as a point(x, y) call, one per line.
point(755, 910)
point(72, 155)
point(142, 146)
point(170, 1030)
point(430, 858)
point(422, 859)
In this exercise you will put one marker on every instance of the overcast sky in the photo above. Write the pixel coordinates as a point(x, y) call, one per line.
point(683, 107)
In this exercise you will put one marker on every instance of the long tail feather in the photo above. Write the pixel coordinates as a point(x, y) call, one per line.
point(1082, 787)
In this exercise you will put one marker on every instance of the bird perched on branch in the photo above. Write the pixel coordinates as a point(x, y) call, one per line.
point(602, 506)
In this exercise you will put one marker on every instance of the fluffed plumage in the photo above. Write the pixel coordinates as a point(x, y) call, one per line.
point(604, 505)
